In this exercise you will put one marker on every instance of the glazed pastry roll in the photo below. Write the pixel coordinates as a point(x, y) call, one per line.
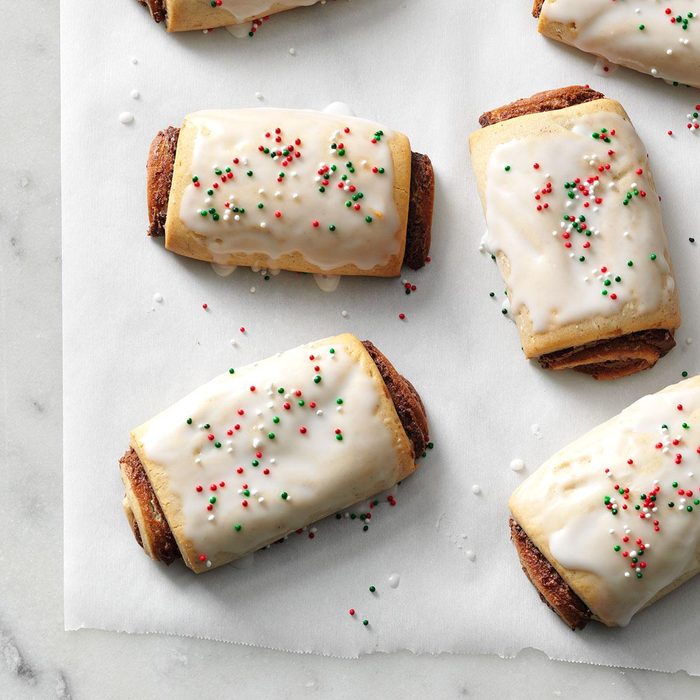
point(264, 450)
point(611, 524)
point(292, 190)
point(186, 15)
point(649, 36)
point(574, 223)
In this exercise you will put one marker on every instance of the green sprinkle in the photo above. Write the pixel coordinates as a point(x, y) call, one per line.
point(284, 495)
point(217, 444)
point(365, 622)
point(317, 379)
point(338, 437)
point(684, 373)
point(331, 227)
point(271, 436)
point(332, 351)
point(280, 390)
point(617, 548)
point(641, 27)
point(276, 419)
point(212, 500)
point(372, 589)
point(652, 257)
point(189, 421)
point(301, 402)
point(507, 168)
point(237, 527)
point(246, 492)
point(232, 371)
point(339, 402)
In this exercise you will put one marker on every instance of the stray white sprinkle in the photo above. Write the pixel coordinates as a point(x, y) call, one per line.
point(292, 52)
point(476, 489)
point(134, 60)
point(470, 555)
point(252, 290)
point(126, 117)
point(517, 465)
point(344, 313)
point(158, 298)
point(259, 96)
point(135, 94)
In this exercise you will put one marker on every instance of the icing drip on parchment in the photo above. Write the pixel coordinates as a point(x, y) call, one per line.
point(276, 182)
point(658, 38)
point(272, 447)
point(576, 216)
point(243, 10)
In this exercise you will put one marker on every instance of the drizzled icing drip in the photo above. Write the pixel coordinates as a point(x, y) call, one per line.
point(623, 503)
point(327, 283)
point(276, 182)
point(243, 10)
point(577, 218)
point(269, 448)
point(653, 37)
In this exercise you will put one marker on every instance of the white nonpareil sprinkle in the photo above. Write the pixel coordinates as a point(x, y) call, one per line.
point(126, 117)
point(517, 465)
point(476, 489)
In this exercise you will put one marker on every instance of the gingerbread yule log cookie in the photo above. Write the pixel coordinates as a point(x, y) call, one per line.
point(611, 523)
point(264, 450)
point(574, 223)
point(290, 189)
point(187, 15)
point(657, 38)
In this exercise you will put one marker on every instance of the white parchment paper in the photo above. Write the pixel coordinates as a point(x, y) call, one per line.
point(428, 69)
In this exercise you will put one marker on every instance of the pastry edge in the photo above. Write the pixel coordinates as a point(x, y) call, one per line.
point(552, 589)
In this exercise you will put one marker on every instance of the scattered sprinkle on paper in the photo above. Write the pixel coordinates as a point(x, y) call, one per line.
point(517, 465)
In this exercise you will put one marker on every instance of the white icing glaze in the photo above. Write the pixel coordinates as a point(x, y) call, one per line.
point(566, 499)
point(223, 270)
point(327, 283)
point(300, 456)
point(318, 224)
point(240, 31)
point(611, 29)
point(243, 10)
point(547, 276)
point(341, 109)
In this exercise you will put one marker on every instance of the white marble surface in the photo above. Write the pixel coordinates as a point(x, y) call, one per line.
point(37, 658)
